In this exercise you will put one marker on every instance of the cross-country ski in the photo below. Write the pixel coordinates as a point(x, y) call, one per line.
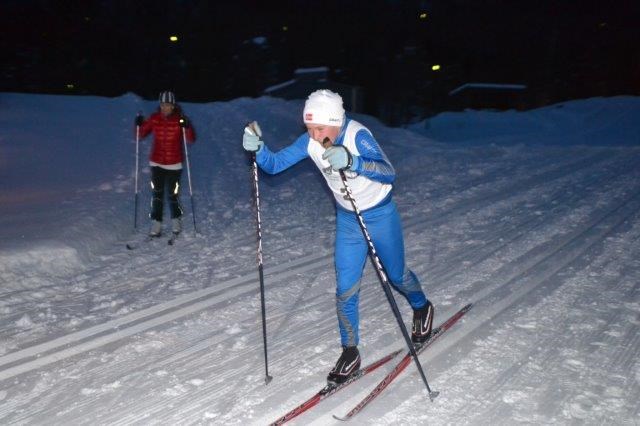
point(172, 239)
point(133, 245)
point(404, 362)
point(331, 389)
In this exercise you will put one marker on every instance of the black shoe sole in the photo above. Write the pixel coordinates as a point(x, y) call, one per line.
point(341, 379)
point(421, 340)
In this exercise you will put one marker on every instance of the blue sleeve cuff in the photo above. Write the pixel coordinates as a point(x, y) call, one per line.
point(261, 152)
point(355, 162)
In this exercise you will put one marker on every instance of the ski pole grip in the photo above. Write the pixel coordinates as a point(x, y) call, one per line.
point(253, 129)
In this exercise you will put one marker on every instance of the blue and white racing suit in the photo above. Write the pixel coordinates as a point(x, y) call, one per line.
point(371, 184)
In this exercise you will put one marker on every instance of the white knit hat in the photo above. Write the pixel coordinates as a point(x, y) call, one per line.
point(324, 107)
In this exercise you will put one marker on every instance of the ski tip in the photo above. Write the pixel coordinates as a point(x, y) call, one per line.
point(466, 308)
point(433, 395)
point(342, 419)
point(268, 380)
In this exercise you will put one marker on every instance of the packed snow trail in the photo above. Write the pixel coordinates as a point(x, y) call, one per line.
point(544, 238)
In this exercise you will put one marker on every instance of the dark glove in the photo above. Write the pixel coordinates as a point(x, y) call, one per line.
point(139, 119)
point(184, 122)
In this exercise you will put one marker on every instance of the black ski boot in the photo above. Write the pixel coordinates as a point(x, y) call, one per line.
point(422, 324)
point(347, 365)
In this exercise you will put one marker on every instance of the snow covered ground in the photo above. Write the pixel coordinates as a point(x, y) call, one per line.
point(533, 216)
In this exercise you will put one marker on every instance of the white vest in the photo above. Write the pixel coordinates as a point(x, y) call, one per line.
point(366, 192)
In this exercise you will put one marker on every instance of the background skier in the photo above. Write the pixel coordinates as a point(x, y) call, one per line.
point(166, 158)
point(336, 143)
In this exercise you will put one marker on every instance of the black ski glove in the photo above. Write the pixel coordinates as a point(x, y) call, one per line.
point(139, 119)
point(184, 122)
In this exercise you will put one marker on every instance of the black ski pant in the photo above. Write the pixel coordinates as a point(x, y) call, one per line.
point(161, 179)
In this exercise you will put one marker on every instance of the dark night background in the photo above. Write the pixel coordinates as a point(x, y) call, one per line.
point(227, 49)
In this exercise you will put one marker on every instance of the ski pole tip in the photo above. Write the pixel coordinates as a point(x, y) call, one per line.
point(267, 380)
point(433, 395)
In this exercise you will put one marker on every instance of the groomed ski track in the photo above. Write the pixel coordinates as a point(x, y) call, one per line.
point(542, 240)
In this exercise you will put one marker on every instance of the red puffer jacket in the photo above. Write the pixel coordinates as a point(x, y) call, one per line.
point(167, 137)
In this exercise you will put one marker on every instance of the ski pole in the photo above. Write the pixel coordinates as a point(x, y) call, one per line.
point(186, 156)
point(135, 198)
point(256, 193)
point(384, 280)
